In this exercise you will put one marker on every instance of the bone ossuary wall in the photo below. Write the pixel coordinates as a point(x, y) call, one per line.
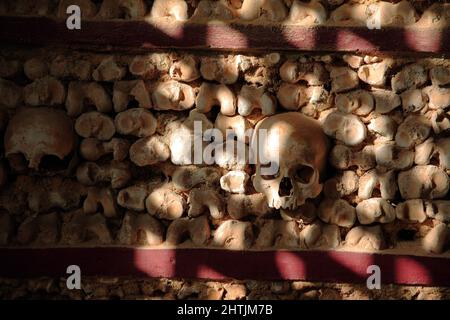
point(96, 153)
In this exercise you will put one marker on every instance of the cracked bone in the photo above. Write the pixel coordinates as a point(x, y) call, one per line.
point(170, 9)
point(436, 239)
point(188, 177)
point(277, 233)
point(234, 181)
point(368, 238)
point(307, 13)
point(133, 197)
point(35, 68)
point(93, 149)
point(374, 179)
point(196, 230)
point(304, 214)
point(359, 102)
point(338, 212)
point(231, 155)
point(318, 234)
point(211, 95)
point(436, 15)
point(80, 228)
point(430, 149)
point(223, 69)
point(344, 127)
point(65, 67)
point(271, 10)
point(140, 229)
point(386, 101)
point(185, 69)
point(95, 125)
point(11, 68)
point(128, 91)
point(46, 91)
point(83, 94)
point(183, 140)
point(423, 182)
point(412, 131)
point(411, 210)
point(108, 70)
point(341, 185)
point(375, 210)
point(314, 74)
point(148, 151)
point(384, 126)
point(343, 79)
point(380, 14)
point(411, 76)
point(11, 94)
point(138, 122)
point(206, 199)
point(234, 235)
point(390, 156)
point(42, 229)
point(438, 98)
point(375, 74)
point(100, 197)
point(6, 228)
point(115, 9)
point(353, 61)
point(413, 100)
point(342, 157)
point(252, 97)
point(146, 67)
point(213, 10)
point(36, 132)
point(440, 121)
point(242, 205)
point(440, 76)
point(117, 173)
point(164, 203)
point(173, 95)
point(438, 209)
point(238, 126)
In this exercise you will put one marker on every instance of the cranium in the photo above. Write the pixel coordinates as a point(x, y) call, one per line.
point(296, 147)
point(37, 132)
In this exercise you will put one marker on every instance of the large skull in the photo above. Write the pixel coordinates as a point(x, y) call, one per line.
point(296, 147)
point(37, 132)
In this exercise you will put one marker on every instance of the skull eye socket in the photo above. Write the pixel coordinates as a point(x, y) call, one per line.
point(270, 171)
point(304, 174)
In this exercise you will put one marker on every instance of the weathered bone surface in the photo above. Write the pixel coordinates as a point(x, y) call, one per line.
point(234, 235)
point(81, 95)
point(140, 229)
point(240, 205)
point(95, 125)
point(100, 198)
point(126, 92)
point(44, 91)
point(173, 95)
point(37, 132)
point(375, 210)
point(195, 229)
point(278, 233)
point(138, 122)
point(93, 149)
point(338, 212)
point(301, 149)
point(80, 228)
point(370, 238)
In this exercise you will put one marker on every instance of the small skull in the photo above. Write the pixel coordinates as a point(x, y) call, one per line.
point(37, 132)
point(296, 146)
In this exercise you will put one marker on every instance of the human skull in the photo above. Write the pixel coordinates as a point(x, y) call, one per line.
point(296, 147)
point(37, 132)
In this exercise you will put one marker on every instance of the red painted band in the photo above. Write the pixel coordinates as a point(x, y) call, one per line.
point(324, 266)
point(143, 35)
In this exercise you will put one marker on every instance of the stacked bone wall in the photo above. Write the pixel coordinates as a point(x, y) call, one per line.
point(96, 150)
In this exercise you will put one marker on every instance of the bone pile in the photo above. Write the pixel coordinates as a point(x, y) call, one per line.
point(97, 150)
point(313, 12)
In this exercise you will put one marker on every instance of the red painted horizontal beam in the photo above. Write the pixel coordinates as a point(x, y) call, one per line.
point(324, 266)
point(142, 34)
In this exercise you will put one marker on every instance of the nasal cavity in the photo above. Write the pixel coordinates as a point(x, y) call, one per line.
point(285, 187)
